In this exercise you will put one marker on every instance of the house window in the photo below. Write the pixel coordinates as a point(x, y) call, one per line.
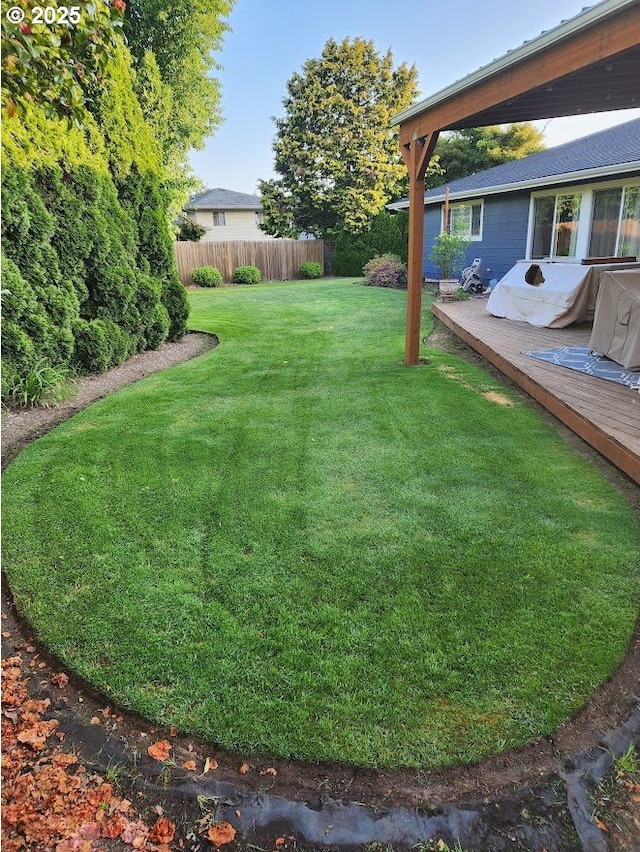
point(615, 223)
point(556, 219)
point(219, 217)
point(259, 218)
point(465, 219)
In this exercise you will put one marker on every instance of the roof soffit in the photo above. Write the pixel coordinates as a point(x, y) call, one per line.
point(595, 69)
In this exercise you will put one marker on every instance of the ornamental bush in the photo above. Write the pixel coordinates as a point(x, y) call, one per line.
point(310, 269)
point(174, 298)
point(247, 275)
point(92, 353)
point(386, 270)
point(26, 327)
point(206, 276)
point(98, 345)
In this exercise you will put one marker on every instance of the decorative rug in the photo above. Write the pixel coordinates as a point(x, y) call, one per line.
point(582, 359)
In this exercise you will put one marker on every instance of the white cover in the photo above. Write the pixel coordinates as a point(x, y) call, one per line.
point(566, 295)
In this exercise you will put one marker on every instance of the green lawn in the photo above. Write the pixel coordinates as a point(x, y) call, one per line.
point(296, 545)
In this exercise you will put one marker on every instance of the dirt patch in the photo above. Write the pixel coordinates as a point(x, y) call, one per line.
point(498, 398)
point(491, 396)
point(533, 798)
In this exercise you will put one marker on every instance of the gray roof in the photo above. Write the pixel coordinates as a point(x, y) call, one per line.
point(223, 199)
point(596, 155)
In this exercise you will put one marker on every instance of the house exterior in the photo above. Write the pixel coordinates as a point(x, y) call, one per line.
point(570, 202)
point(227, 215)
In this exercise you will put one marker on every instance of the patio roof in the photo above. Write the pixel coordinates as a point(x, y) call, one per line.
point(589, 63)
point(609, 153)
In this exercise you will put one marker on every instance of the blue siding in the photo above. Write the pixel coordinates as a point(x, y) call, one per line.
point(504, 234)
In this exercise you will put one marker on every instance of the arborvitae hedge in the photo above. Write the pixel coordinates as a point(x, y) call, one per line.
point(89, 275)
point(387, 234)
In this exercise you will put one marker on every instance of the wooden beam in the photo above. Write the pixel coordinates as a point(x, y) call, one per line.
point(416, 155)
point(575, 53)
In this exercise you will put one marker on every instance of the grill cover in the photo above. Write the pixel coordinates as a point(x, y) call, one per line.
point(616, 324)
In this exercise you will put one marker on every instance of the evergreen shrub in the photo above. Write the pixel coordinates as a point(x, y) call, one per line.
point(174, 298)
point(247, 275)
point(206, 276)
point(387, 234)
point(310, 269)
point(88, 264)
point(92, 351)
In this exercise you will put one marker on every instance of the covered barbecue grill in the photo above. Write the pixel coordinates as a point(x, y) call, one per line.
point(616, 324)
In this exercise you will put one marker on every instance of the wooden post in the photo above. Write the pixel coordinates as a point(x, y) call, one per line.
point(447, 228)
point(417, 159)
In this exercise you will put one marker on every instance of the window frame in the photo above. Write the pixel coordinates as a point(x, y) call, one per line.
point(585, 219)
point(621, 205)
point(219, 218)
point(469, 205)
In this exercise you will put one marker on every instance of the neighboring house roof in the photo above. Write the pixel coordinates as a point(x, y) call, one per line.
point(223, 199)
point(608, 152)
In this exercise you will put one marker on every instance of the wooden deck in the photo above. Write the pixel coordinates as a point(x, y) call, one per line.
point(605, 414)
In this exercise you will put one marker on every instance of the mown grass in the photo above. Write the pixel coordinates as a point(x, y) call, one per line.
point(296, 545)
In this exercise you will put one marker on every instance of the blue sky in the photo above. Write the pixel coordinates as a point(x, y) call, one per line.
point(446, 40)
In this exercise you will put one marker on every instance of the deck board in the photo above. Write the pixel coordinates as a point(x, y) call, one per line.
point(605, 414)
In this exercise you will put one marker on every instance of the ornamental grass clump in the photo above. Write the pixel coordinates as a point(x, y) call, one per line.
point(386, 270)
point(43, 386)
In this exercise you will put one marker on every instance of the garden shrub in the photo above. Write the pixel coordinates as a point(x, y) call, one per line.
point(99, 344)
point(121, 344)
point(247, 275)
point(387, 270)
point(27, 228)
point(27, 233)
point(146, 200)
point(92, 352)
point(310, 269)
point(25, 326)
point(387, 234)
point(174, 298)
point(206, 276)
point(157, 327)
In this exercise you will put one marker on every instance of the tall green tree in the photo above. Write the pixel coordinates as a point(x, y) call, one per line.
point(182, 35)
point(465, 152)
point(336, 156)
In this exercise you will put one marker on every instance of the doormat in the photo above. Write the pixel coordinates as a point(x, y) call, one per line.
point(582, 359)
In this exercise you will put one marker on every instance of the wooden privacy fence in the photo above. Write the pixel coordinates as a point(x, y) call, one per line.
point(277, 260)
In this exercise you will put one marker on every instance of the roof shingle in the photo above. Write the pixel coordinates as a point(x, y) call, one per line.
point(223, 199)
point(611, 147)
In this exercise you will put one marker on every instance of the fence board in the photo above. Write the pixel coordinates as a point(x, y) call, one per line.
point(278, 260)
